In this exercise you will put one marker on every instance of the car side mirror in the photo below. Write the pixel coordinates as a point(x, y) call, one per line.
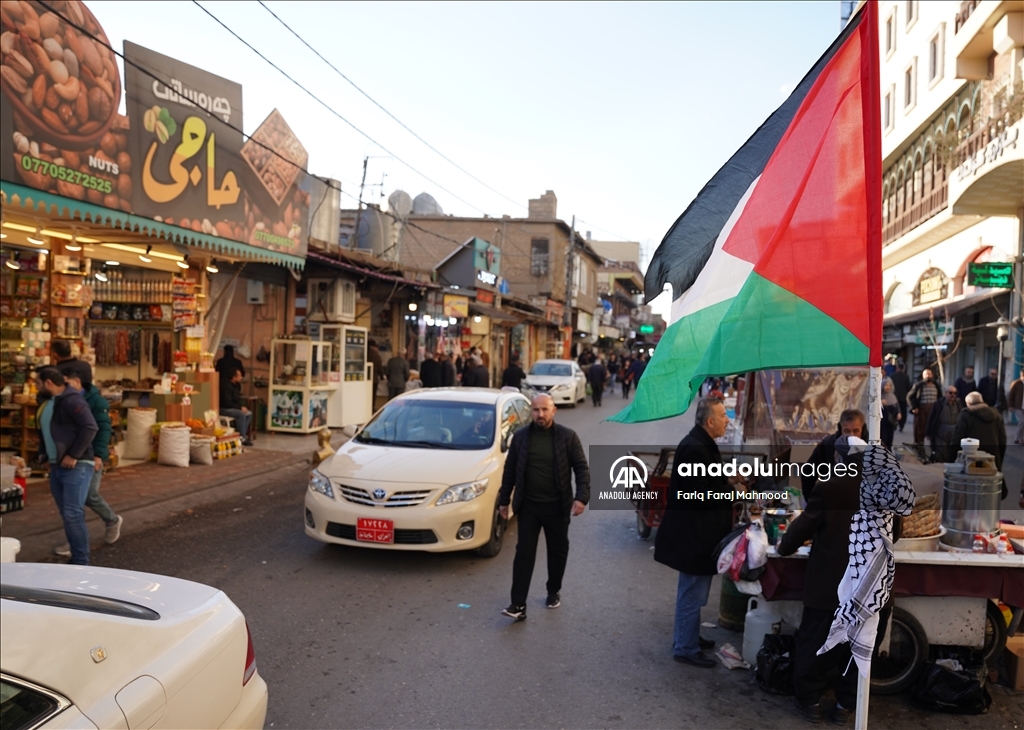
point(350, 430)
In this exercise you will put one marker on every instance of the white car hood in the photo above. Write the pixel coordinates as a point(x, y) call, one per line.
point(550, 380)
point(404, 465)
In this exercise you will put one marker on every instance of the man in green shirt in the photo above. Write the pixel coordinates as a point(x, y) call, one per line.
point(537, 482)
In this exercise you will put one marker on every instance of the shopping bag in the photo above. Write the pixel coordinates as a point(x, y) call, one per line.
point(723, 552)
point(739, 558)
point(774, 670)
point(590, 389)
point(956, 692)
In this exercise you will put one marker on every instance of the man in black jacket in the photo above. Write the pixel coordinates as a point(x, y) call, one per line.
point(430, 371)
point(851, 423)
point(231, 404)
point(992, 391)
point(537, 482)
point(513, 375)
point(982, 422)
point(447, 370)
point(66, 432)
point(476, 374)
point(900, 389)
point(693, 526)
point(596, 377)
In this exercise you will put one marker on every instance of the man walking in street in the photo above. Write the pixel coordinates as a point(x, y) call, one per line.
point(691, 529)
point(851, 423)
point(67, 429)
point(78, 376)
point(231, 404)
point(513, 375)
point(965, 384)
point(596, 377)
point(430, 371)
point(900, 388)
point(539, 467)
point(1016, 404)
point(982, 422)
point(613, 372)
point(922, 397)
point(941, 422)
point(992, 391)
point(398, 375)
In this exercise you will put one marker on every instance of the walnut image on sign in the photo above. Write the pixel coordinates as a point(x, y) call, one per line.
point(277, 174)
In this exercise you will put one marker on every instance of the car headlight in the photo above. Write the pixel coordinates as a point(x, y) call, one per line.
point(564, 386)
point(319, 483)
point(463, 492)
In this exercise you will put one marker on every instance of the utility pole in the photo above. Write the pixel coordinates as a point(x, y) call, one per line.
point(567, 313)
point(359, 209)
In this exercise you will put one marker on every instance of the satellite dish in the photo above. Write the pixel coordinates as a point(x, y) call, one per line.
point(400, 203)
point(424, 204)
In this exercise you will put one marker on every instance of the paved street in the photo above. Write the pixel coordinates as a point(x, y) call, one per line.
point(362, 638)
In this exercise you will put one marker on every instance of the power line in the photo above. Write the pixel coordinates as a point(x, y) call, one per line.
point(326, 106)
point(402, 124)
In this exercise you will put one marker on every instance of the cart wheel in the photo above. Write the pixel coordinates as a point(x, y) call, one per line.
point(643, 530)
point(908, 650)
point(995, 634)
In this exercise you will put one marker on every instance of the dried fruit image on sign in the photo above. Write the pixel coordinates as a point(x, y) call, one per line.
point(61, 89)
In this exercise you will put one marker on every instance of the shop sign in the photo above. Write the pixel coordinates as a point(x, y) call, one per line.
point(456, 306)
point(931, 287)
point(195, 171)
point(484, 297)
point(990, 274)
point(486, 277)
point(934, 333)
point(647, 329)
point(59, 127)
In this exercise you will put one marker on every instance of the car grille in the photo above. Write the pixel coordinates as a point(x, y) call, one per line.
point(409, 498)
point(541, 388)
point(402, 537)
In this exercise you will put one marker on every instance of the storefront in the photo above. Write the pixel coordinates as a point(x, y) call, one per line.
point(115, 227)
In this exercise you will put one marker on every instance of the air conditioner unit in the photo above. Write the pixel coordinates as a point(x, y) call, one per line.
point(332, 300)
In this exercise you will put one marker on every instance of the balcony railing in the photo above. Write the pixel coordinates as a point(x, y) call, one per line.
point(966, 8)
point(926, 208)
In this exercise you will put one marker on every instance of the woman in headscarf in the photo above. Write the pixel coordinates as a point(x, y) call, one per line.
point(890, 414)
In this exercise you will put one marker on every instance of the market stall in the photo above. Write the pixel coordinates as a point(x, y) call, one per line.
point(305, 376)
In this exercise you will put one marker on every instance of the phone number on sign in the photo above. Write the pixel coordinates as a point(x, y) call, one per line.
point(75, 177)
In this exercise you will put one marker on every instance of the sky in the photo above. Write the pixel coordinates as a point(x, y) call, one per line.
point(624, 110)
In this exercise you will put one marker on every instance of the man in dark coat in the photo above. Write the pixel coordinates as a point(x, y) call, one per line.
point(922, 397)
point(539, 467)
point(231, 404)
point(513, 375)
point(228, 364)
point(826, 521)
point(900, 389)
point(430, 371)
point(596, 377)
point(982, 422)
point(373, 356)
point(992, 391)
point(941, 423)
point(447, 370)
point(851, 423)
point(476, 374)
point(965, 384)
point(66, 432)
point(698, 514)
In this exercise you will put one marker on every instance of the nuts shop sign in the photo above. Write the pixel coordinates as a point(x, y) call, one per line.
point(178, 157)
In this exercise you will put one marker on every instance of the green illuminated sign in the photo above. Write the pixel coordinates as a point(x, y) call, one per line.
point(646, 329)
point(990, 275)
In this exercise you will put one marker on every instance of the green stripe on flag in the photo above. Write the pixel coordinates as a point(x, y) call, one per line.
point(763, 327)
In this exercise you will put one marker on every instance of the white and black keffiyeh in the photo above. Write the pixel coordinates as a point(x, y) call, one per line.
point(885, 490)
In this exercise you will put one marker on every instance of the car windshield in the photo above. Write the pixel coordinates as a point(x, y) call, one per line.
point(432, 424)
point(550, 368)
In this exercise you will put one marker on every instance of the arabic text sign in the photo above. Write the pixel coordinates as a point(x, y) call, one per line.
point(992, 275)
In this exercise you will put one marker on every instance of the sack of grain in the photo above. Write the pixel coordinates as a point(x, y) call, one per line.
point(175, 445)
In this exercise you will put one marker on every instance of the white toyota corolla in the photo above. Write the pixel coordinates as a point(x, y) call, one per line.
point(563, 380)
point(423, 474)
point(86, 647)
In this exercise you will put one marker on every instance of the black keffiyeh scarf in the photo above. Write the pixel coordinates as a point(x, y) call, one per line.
point(885, 490)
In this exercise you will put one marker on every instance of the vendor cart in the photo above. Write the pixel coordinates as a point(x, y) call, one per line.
point(941, 599)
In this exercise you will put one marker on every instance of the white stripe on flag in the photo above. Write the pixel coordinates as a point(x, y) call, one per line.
point(722, 276)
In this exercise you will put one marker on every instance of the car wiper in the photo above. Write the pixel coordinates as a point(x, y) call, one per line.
point(430, 444)
point(373, 440)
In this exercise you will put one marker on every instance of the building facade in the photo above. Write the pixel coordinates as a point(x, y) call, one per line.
point(953, 184)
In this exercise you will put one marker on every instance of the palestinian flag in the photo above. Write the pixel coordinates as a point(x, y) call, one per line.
point(777, 261)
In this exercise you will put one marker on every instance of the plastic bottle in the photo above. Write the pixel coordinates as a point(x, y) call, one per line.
point(979, 544)
point(1003, 547)
point(780, 533)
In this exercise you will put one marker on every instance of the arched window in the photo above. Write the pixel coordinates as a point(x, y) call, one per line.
point(899, 298)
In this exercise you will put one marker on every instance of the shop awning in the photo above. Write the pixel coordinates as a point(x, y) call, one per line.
point(57, 207)
point(363, 271)
point(491, 312)
point(943, 309)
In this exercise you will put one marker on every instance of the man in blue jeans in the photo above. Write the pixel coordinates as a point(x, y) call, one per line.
point(231, 404)
point(67, 429)
point(692, 528)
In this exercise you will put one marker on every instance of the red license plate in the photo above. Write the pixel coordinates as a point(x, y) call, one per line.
point(369, 529)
